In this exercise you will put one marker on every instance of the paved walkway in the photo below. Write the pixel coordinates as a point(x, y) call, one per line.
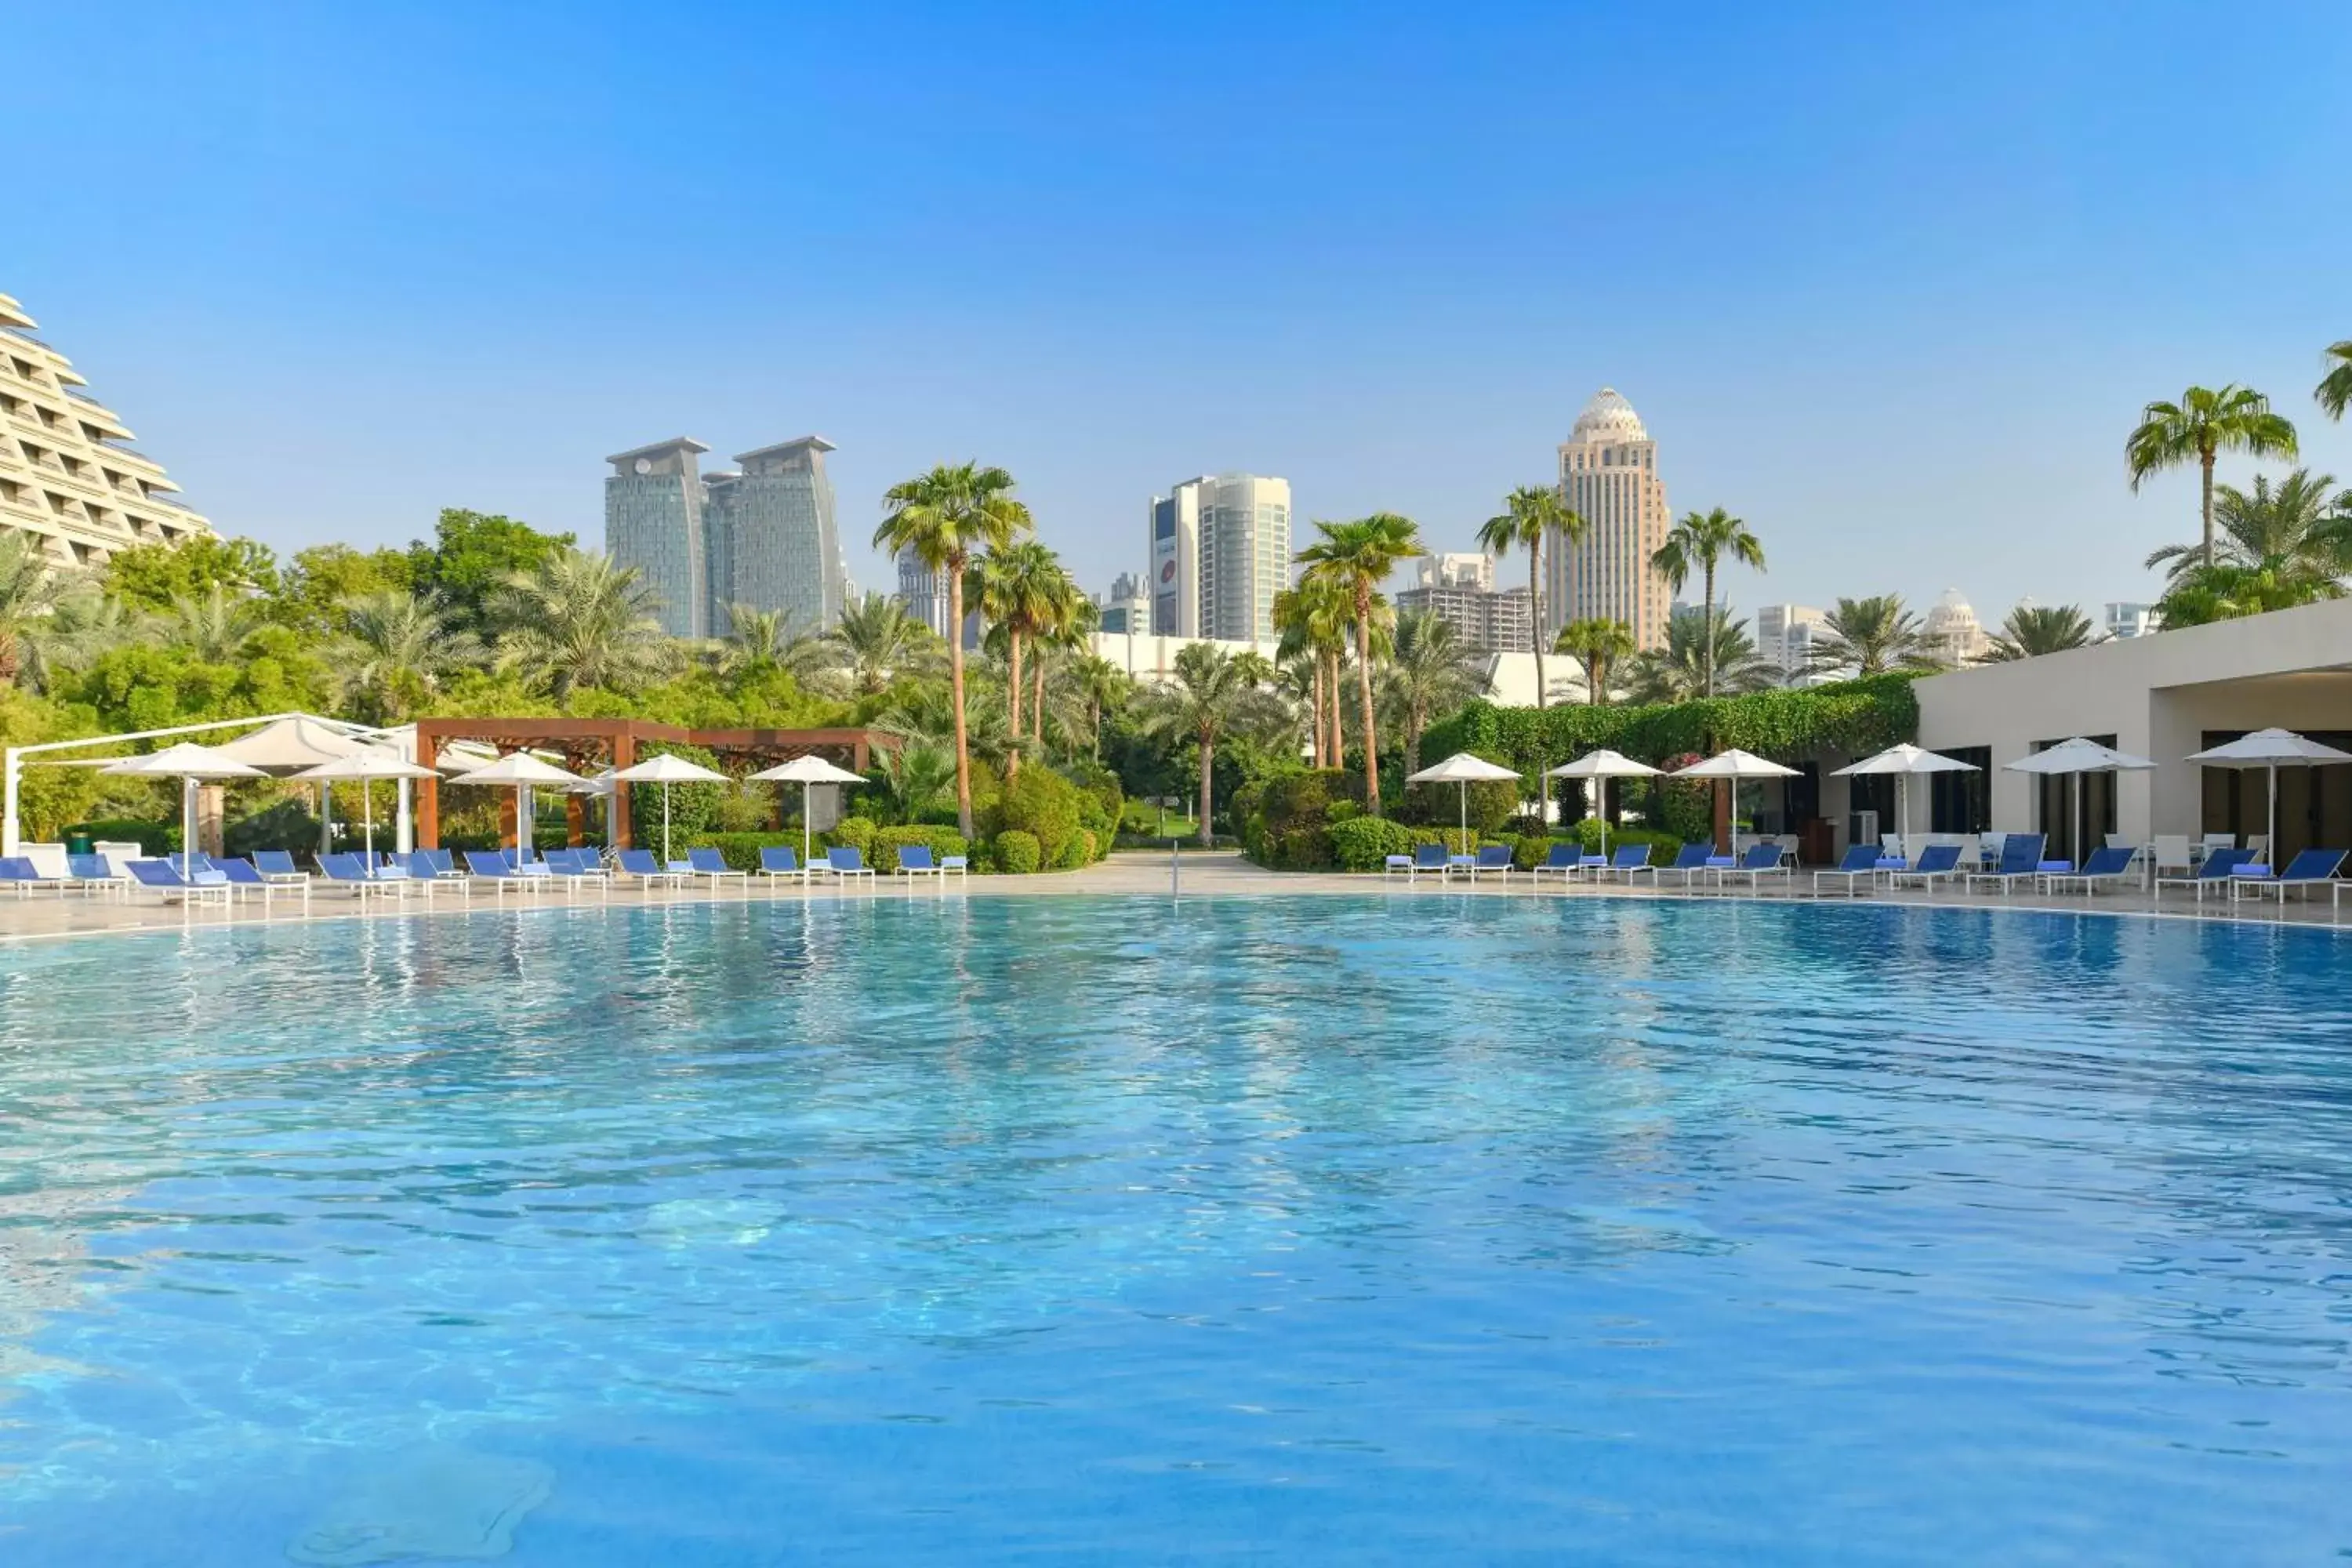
point(1196, 875)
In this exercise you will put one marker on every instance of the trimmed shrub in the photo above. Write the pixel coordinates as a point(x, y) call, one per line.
point(1492, 802)
point(1078, 852)
point(1535, 848)
point(1043, 804)
point(942, 841)
point(1017, 852)
point(853, 832)
point(1364, 843)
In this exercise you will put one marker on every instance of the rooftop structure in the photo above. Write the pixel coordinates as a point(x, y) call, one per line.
point(68, 476)
point(1609, 477)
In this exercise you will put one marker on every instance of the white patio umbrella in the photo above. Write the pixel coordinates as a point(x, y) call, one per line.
point(806, 772)
point(187, 762)
point(1603, 765)
point(1465, 770)
point(367, 764)
point(2078, 756)
point(521, 770)
point(666, 770)
point(1907, 760)
point(2269, 747)
point(1733, 766)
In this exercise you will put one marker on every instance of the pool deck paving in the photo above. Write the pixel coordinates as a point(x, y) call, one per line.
point(48, 914)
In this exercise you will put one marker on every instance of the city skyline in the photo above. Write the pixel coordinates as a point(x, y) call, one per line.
point(1913, 243)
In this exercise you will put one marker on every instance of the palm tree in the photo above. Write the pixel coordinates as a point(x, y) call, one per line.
point(1311, 621)
point(918, 777)
point(2335, 389)
point(2227, 590)
point(212, 626)
point(402, 646)
point(1678, 672)
point(759, 640)
point(1530, 514)
point(1597, 643)
point(2203, 424)
point(1361, 554)
point(1066, 620)
point(1208, 698)
point(30, 594)
point(875, 641)
point(1701, 540)
point(2297, 531)
point(84, 624)
point(1104, 686)
point(2033, 630)
point(580, 620)
point(940, 518)
point(1017, 588)
point(1872, 636)
point(1429, 672)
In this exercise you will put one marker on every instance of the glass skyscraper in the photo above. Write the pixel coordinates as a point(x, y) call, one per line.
point(762, 536)
point(1220, 551)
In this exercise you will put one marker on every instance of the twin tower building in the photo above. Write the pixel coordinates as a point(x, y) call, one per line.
point(761, 535)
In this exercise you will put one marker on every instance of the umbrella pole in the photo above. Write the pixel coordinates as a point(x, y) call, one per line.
point(188, 828)
point(806, 790)
point(367, 821)
point(664, 822)
point(2270, 825)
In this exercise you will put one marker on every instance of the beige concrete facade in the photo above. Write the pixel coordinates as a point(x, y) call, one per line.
point(1609, 477)
point(67, 476)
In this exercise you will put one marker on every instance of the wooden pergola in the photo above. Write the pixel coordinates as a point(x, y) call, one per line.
point(584, 743)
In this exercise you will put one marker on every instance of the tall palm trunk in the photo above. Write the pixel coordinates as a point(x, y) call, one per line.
point(955, 684)
point(1208, 765)
point(1535, 610)
point(1338, 710)
point(1364, 696)
point(1037, 703)
point(2205, 460)
point(1706, 609)
point(1012, 701)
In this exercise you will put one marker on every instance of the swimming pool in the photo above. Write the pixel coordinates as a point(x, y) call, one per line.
point(1284, 1230)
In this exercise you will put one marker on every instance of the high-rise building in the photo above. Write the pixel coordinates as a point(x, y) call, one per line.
point(1785, 636)
point(66, 478)
point(761, 535)
point(1127, 607)
point(2126, 619)
point(652, 522)
point(923, 593)
point(1609, 476)
point(1219, 552)
point(1459, 569)
point(771, 540)
point(1483, 621)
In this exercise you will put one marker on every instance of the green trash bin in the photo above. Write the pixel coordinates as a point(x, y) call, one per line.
point(79, 844)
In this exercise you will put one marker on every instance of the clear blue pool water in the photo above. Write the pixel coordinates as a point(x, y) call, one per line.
point(1300, 1231)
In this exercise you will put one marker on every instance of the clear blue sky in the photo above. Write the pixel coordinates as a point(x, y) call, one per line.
point(1891, 282)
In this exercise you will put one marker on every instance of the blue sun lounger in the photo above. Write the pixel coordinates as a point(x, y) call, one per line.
point(1936, 863)
point(709, 862)
point(847, 860)
point(641, 868)
point(1426, 858)
point(2106, 867)
point(1688, 865)
point(1629, 858)
point(1762, 860)
point(1564, 862)
point(162, 877)
point(2216, 873)
point(1495, 857)
point(578, 869)
point(2311, 869)
point(245, 878)
point(351, 871)
point(780, 863)
point(1859, 870)
point(492, 867)
point(916, 860)
point(2020, 859)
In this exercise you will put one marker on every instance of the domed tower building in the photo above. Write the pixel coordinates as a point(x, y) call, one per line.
point(1955, 637)
point(1609, 476)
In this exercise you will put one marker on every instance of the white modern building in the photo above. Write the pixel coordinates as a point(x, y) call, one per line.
point(1127, 607)
point(2127, 618)
point(67, 477)
point(1786, 637)
point(1609, 477)
point(1220, 551)
point(1460, 590)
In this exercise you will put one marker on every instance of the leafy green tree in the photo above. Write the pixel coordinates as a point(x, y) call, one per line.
point(317, 583)
point(1208, 698)
point(1872, 636)
point(152, 576)
point(1429, 672)
point(402, 647)
point(1699, 541)
point(2335, 389)
point(1530, 514)
point(580, 621)
point(2299, 531)
point(1678, 672)
point(474, 557)
point(1360, 555)
point(1598, 643)
point(2030, 631)
point(2197, 428)
point(939, 519)
point(877, 642)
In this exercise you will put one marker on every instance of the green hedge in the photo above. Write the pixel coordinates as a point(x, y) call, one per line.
point(1018, 853)
point(153, 837)
point(1856, 717)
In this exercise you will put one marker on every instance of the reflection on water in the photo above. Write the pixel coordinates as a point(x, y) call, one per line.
point(1339, 1230)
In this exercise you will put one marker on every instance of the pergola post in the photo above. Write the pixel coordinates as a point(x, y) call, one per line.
point(625, 756)
point(429, 791)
